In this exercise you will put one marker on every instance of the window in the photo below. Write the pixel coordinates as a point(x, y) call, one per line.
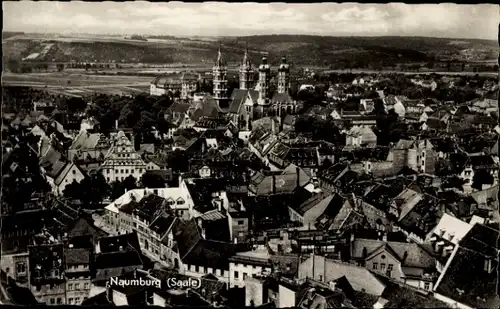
point(52, 301)
point(197, 269)
point(236, 275)
point(321, 278)
point(21, 268)
point(244, 276)
point(375, 265)
point(70, 286)
point(382, 266)
point(77, 286)
point(389, 267)
point(59, 300)
point(427, 286)
point(77, 301)
point(74, 172)
point(241, 222)
point(70, 301)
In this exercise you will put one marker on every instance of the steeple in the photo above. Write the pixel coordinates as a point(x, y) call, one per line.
point(246, 72)
point(264, 81)
point(283, 76)
point(220, 79)
point(220, 62)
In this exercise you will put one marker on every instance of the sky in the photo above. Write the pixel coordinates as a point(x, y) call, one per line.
point(478, 21)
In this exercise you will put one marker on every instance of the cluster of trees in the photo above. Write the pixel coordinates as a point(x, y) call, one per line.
point(94, 189)
point(320, 129)
point(91, 191)
point(140, 113)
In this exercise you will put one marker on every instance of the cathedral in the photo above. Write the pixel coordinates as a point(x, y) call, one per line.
point(253, 100)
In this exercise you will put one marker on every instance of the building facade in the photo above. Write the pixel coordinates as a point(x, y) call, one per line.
point(122, 161)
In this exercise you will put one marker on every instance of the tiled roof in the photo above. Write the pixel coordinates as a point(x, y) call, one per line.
point(213, 215)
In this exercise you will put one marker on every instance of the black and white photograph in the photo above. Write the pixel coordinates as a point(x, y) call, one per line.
point(279, 155)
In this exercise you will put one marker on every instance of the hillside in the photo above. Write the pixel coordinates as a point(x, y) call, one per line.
point(301, 50)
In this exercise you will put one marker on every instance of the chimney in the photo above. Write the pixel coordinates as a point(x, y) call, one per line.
point(332, 285)
point(384, 237)
point(297, 170)
point(116, 124)
point(273, 125)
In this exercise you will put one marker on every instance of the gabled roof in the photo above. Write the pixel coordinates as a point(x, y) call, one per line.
point(415, 255)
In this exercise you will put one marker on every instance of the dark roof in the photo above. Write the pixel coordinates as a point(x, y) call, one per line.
point(118, 259)
point(238, 98)
point(83, 227)
point(149, 206)
point(162, 224)
point(201, 191)
point(77, 256)
point(113, 243)
point(269, 211)
point(186, 236)
point(97, 300)
point(466, 280)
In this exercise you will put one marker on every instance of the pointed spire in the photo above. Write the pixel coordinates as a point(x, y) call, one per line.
point(220, 60)
point(246, 61)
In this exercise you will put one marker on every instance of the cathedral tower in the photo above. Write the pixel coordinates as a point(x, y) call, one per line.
point(264, 81)
point(220, 80)
point(284, 76)
point(246, 73)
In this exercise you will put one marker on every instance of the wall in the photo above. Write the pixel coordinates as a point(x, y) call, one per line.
point(74, 174)
point(396, 272)
point(237, 226)
point(244, 271)
point(119, 299)
point(77, 288)
point(286, 298)
point(8, 263)
point(254, 291)
point(159, 301)
point(190, 270)
point(46, 293)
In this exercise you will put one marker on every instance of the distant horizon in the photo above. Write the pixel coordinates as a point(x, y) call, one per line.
point(250, 35)
point(222, 19)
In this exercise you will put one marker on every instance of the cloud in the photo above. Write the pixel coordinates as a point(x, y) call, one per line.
point(219, 18)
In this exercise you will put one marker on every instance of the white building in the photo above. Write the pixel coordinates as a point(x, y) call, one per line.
point(122, 161)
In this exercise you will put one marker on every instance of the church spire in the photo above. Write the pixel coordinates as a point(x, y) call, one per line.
point(220, 59)
point(246, 72)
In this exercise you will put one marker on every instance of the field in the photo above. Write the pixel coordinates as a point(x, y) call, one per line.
point(78, 85)
point(300, 50)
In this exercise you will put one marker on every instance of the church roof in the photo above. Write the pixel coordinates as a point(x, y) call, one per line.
point(238, 98)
